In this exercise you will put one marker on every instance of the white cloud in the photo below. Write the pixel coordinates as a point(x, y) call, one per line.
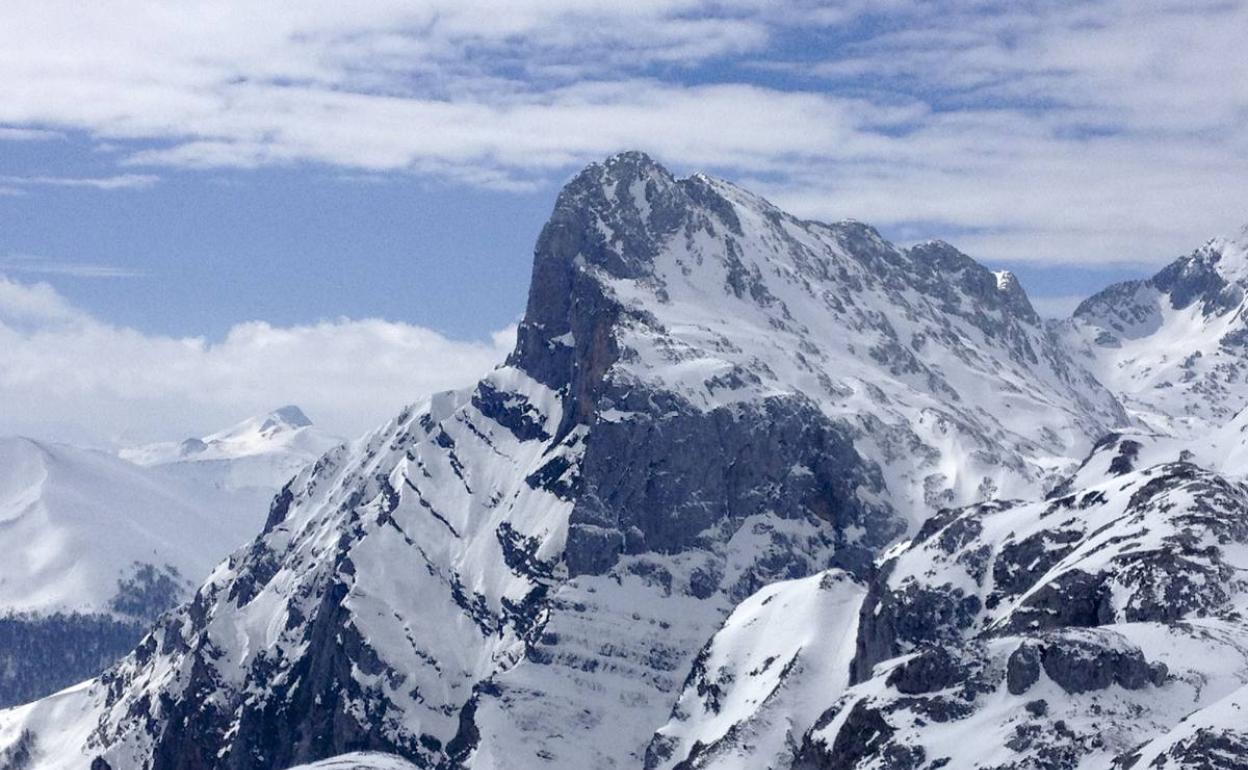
point(1103, 131)
point(67, 375)
point(34, 306)
point(116, 182)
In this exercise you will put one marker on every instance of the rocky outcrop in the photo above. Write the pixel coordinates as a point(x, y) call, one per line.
point(1194, 381)
point(1055, 631)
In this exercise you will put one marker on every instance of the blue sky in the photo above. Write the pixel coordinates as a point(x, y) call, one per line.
point(370, 179)
point(200, 251)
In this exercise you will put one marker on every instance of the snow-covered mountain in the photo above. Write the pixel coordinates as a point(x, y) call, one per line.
point(99, 546)
point(1174, 347)
point(362, 760)
point(95, 548)
point(665, 534)
point(248, 461)
point(1072, 631)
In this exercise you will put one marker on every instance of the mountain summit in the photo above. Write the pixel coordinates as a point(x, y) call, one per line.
point(245, 462)
point(716, 420)
point(1174, 346)
point(286, 430)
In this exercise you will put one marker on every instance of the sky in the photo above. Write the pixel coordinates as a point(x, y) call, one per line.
point(209, 210)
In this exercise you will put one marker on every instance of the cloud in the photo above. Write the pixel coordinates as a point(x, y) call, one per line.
point(66, 375)
point(34, 306)
point(117, 182)
point(33, 265)
point(1101, 131)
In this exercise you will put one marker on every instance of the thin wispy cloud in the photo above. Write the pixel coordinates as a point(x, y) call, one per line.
point(25, 264)
point(1105, 131)
point(116, 182)
point(8, 134)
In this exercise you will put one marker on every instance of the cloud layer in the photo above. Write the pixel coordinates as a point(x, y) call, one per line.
point(1101, 131)
point(69, 376)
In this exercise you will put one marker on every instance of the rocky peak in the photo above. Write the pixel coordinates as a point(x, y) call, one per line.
point(939, 263)
point(1201, 277)
point(617, 208)
point(600, 220)
point(289, 416)
point(1214, 275)
point(1174, 346)
point(712, 295)
point(1014, 296)
point(610, 222)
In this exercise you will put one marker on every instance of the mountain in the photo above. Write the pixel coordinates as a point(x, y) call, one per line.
point(1174, 347)
point(1069, 631)
point(669, 533)
point(95, 549)
point(940, 367)
point(249, 461)
point(101, 546)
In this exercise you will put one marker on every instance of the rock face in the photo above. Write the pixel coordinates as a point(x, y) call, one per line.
point(779, 456)
point(1157, 545)
point(652, 538)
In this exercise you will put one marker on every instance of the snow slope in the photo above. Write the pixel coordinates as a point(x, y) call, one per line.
point(757, 686)
point(1215, 736)
point(96, 548)
point(99, 546)
point(361, 760)
point(80, 526)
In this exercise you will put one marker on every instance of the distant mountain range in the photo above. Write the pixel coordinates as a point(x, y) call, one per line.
point(98, 546)
point(248, 462)
point(751, 491)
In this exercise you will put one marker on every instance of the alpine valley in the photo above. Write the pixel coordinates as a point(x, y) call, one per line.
point(750, 492)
